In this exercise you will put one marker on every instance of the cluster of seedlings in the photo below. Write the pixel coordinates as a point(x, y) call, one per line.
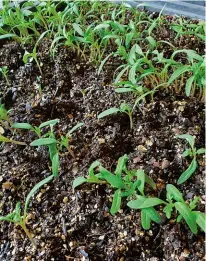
point(102, 32)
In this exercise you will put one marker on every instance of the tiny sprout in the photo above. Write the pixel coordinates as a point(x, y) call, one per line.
point(4, 71)
point(124, 107)
point(18, 217)
point(191, 152)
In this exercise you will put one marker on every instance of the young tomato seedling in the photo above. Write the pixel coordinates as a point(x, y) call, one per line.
point(129, 184)
point(191, 152)
point(18, 217)
point(4, 71)
point(192, 218)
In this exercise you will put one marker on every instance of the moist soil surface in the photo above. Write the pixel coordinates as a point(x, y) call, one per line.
point(77, 225)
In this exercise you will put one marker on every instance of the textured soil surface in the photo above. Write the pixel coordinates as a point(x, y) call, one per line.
point(77, 225)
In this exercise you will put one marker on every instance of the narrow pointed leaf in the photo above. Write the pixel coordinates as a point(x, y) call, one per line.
point(22, 125)
point(108, 112)
point(48, 123)
point(116, 203)
point(188, 216)
point(103, 62)
point(120, 165)
point(43, 141)
point(143, 202)
point(145, 219)
point(113, 180)
point(201, 151)
point(187, 137)
point(178, 72)
point(188, 172)
point(34, 190)
point(78, 181)
point(55, 164)
point(188, 85)
point(174, 192)
point(153, 214)
point(77, 126)
point(200, 219)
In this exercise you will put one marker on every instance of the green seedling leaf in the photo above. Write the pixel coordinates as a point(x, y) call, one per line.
point(201, 151)
point(188, 216)
point(188, 172)
point(34, 190)
point(79, 181)
point(132, 74)
point(113, 180)
point(178, 72)
point(187, 137)
point(48, 123)
point(77, 126)
point(121, 165)
point(145, 219)
point(103, 62)
point(188, 85)
point(153, 214)
point(100, 27)
point(132, 55)
point(4, 139)
point(26, 56)
point(193, 203)
point(116, 203)
point(92, 177)
point(141, 176)
point(55, 164)
point(22, 125)
point(168, 210)
point(52, 150)
point(200, 219)
point(143, 202)
point(120, 74)
point(148, 214)
point(186, 153)
point(78, 29)
point(179, 218)
point(108, 112)
point(123, 90)
point(150, 181)
point(4, 36)
point(129, 37)
point(151, 41)
point(174, 192)
point(43, 141)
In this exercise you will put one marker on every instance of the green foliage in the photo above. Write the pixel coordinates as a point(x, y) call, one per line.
point(4, 71)
point(127, 183)
point(54, 145)
point(192, 218)
point(192, 152)
point(33, 55)
point(18, 217)
point(123, 108)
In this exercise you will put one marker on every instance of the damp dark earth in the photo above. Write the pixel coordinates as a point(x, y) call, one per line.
point(63, 61)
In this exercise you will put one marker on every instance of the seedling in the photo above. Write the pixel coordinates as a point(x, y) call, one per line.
point(196, 70)
point(4, 117)
point(37, 130)
point(4, 139)
point(192, 218)
point(4, 71)
point(127, 184)
point(191, 152)
point(123, 108)
point(33, 55)
point(18, 217)
point(54, 145)
point(130, 87)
